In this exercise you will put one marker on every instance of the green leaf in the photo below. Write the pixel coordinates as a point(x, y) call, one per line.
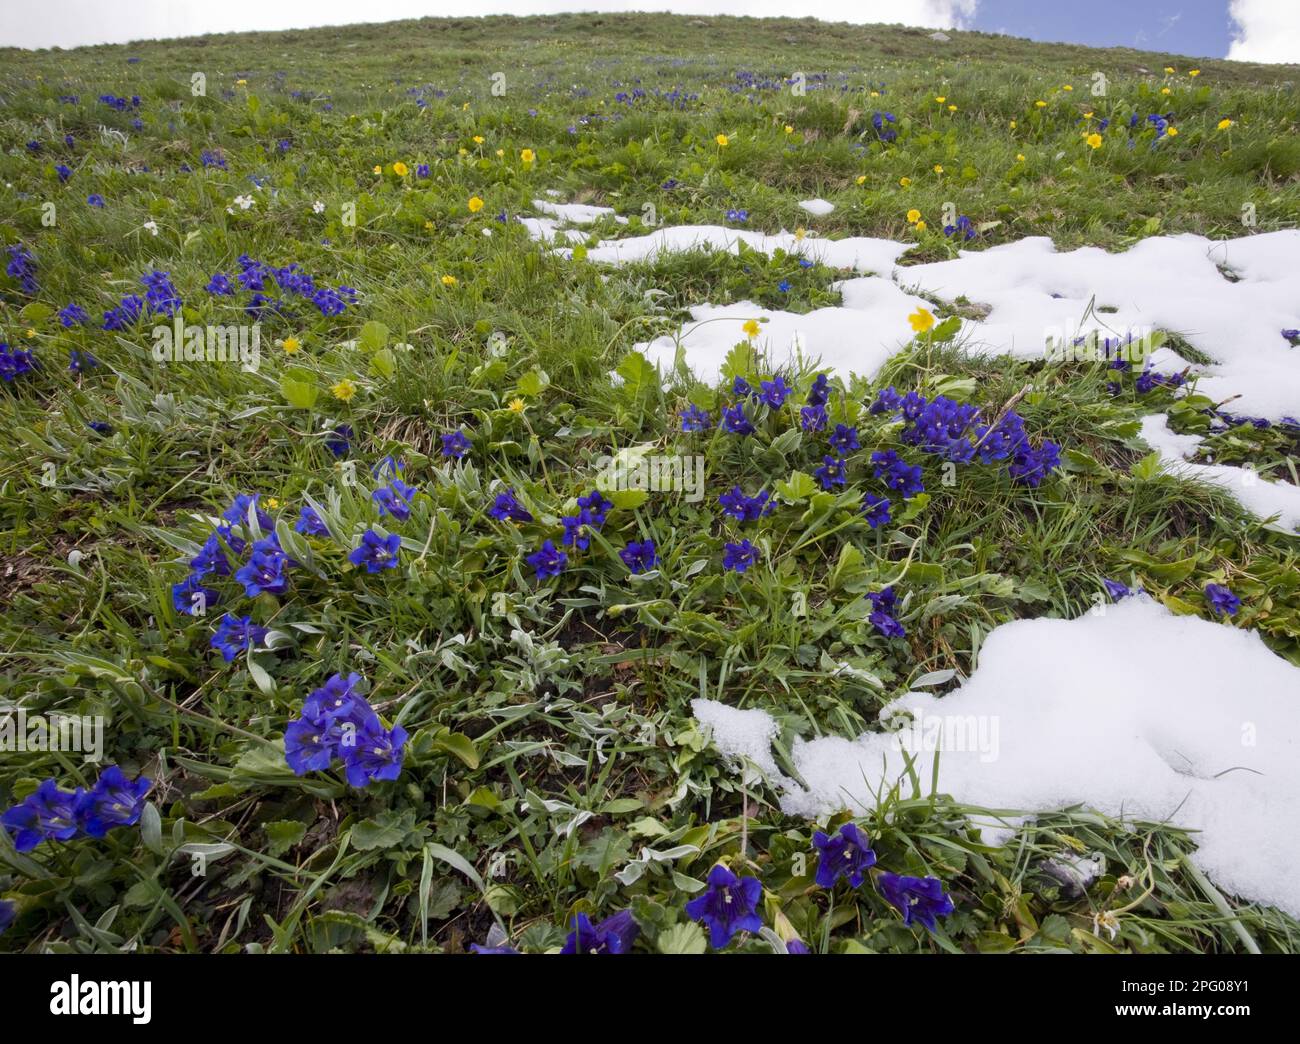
point(1148, 467)
point(283, 834)
point(687, 937)
point(373, 336)
point(458, 744)
point(798, 487)
point(533, 383)
point(299, 387)
point(628, 498)
point(383, 363)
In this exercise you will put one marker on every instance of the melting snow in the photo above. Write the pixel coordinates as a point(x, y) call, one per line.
point(1230, 299)
point(816, 207)
point(1134, 712)
point(1257, 495)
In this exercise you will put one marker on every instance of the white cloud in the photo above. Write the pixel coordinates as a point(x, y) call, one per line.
point(1266, 31)
point(72, 23)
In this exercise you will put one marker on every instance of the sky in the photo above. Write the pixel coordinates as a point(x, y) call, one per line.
point(1244, 30)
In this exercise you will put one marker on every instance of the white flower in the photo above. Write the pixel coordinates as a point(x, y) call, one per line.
point(318, 207)
point(151, 227)
point(242, 202)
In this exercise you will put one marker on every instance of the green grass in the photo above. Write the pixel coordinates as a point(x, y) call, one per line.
point(529, 704)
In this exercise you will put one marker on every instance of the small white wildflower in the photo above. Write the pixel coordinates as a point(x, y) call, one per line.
point(151, 227)
point(318, 207)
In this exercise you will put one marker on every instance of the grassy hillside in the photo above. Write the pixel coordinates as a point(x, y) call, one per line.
point(550, 736)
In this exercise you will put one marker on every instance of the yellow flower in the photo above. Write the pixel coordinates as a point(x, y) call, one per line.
point(1013, 124)
point(913, 216)
point(31, 332)
point(516, 406)
point(904, 182)
point(291, 345)
point(938, 168)
point(428, 226)
point(789, 129)
point(750, 328)
point(1172, 132)
point(272, 503)
point(1225, 123)
point(401, 169)
point(1020, 157)
point(921, 320)
point(1067, 87)
point(344, 390)
point(378, 169)
point(1165, 90)
point(799, 233)
point(862, 179)
point(526, 155)
point(1169, 68)
point(449, 280)
point(475, 204)
point(500, 153)
point(952, 108)
point(1040, 104)
point(875, 94)
point(478, 139)
point(1087, 115)
point(464, 107)
point(1193, 72)
point(241, 83)
point(941, 99)
point(462, 152)
point(921, 226)
point(1094, 141)
point(721, 139)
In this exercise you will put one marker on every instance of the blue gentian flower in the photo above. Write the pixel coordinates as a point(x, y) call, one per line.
point(784, 286)
point(735, 421)
point(73, 315)
point(340, 440)
point(615, 934)
point(63, 171)
point(696, 419)
point(887, 401)
point(844, 440)
point(211, 558)
point(264, 573)
point(595, 507)
point(46, 814)
point(548, 561)
point(395, 499)
point(376, 755)
point(237, 513)
point(775, 392)
point(235, 635)
point(79, 362)
point(575, 531)
point(741, 387)
point(1115, 589)
point(310, 523)
point(877, 510)
point(185, 596)
point(114, 801)
point(813, 418)
point(832, 472)
point(639, 556)
point(746, 509)
point(846, 854)
point(508, 508)
point(1222, 600)
point(376, 552)
point(819, 394)
point(455, 444)
point(728, 905)
point(882, 617)
point(919, 899)
point(739, 557)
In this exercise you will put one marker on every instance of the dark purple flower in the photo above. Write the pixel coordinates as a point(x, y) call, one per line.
point(696, 419)
point(265, 572)
point(735, 421)
point(548, 561)
point(919, 899)
point(1222, 600)
point(739, 557)
point(46, 814)
point(775, 392)
point(455, 444)
point(876, 510)
point(235, 634)
point(728, 905)
point(376, 552)
point(192, 598)
point(832, 472)
point(376, 754)
point(508, 508)
point(639, 556)
point(113, 801)
point(1115, 589)
point(310, 523)
point(844, 440)
point(846, 854)
point(395, 499)
point(615, 934)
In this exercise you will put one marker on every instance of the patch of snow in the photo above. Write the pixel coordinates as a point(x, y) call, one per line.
point(1257, 495)
point(744, 734)
point(547, 230)
point(859, 253)
point(816, 207)
point(1132, 711)
point(577, 213)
